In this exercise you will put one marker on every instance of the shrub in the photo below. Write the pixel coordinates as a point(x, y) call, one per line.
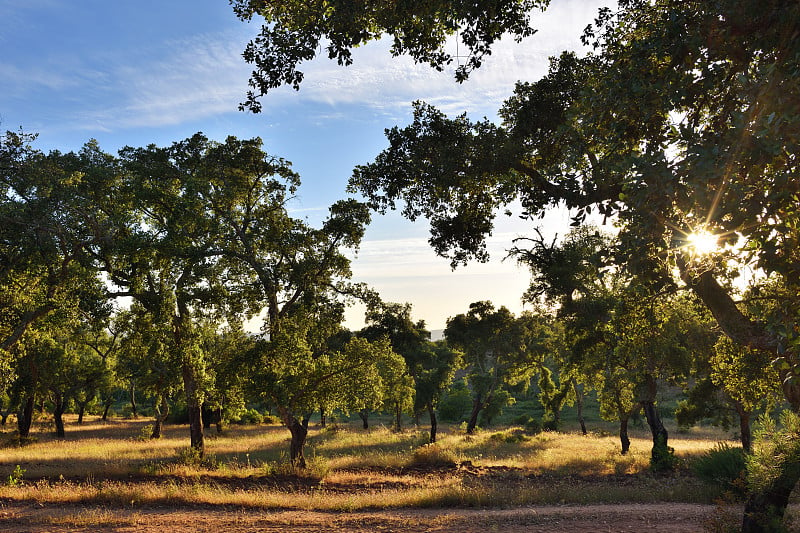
point(509, 436)
point(433, 455)
point(16, 477)
point(248, 416)
point(722, 465)
point(271, 419)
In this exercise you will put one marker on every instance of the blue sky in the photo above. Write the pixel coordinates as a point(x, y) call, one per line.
point(134, 73)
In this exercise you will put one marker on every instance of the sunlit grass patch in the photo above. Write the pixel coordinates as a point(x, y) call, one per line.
point(95, 518)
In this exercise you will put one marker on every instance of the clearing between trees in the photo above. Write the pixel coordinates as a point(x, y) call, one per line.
point(108, 477)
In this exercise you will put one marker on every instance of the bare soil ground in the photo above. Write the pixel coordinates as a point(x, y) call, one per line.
point(672, 517)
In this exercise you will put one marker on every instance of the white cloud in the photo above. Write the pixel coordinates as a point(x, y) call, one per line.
point(180, 81)
point(388, 84)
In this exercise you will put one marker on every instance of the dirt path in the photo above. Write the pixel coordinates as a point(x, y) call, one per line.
point(677, 518)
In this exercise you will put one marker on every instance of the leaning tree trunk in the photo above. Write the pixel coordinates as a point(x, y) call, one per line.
point(81, 411)
point(364, 416)
point(299, 431)
point(434, 423)
point(58, 416)
point(477, 405)
point(661, 455)
point(25, 417)
point(106, 407)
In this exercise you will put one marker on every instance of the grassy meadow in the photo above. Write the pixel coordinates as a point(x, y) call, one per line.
point(115, 464)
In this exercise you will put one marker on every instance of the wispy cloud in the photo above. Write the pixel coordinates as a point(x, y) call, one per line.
point(387, 84)
point(186, 80)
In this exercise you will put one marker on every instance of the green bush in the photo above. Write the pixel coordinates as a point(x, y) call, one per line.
point(722, 465)
point(271, 419)
point(512, 437)
point(532, 425)
point(248, 416)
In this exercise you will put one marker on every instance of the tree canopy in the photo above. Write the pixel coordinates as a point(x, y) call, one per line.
point(294, 32)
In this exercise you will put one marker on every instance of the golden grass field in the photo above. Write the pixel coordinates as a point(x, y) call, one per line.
point(102, 468)
point(96, 454)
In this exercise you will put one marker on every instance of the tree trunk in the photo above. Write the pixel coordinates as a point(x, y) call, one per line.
point(194, 407)
point(579, 402)
point(299, 431)
point(623, 433)
point(81, 411)
point(434, 423)
point(364, 416)
point(58, 416)
point(477, 405)
point(398, 417)
point(106, 408)
point(661, 455)
point(322, 419)
point(219, 421)
point(162, 412)
point(744, 427)
point(132, 395)
point(25, 417)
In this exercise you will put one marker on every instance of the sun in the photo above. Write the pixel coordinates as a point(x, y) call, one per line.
point(701, 242)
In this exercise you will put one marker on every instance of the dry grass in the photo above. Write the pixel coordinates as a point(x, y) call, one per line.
point(350, 469)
